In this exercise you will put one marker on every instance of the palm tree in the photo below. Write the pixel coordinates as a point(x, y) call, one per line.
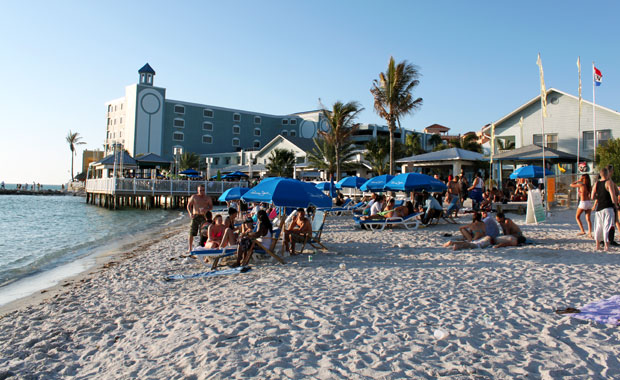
point(73, 139)
point(189, 160)
point(413, 145)
point(281, 162)
point(377, 151)
point(323, 156)
point(435, 140)
point(468, 142)
point(393, 96)
point(341, 121)
point(505, 144)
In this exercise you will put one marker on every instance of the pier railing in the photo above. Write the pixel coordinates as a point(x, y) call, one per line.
point(127, 186)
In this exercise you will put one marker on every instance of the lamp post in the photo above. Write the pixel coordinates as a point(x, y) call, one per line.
point(177, 152)
point(250, 164)
point(208, 161)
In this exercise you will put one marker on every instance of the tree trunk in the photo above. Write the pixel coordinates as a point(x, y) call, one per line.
point(391, 129)
point(71, 166)
point(337, 162)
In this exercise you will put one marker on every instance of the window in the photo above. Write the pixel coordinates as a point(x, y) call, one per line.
point(109, 108)
point(227, 160)
point(235, 141)
point(207, 126)
point(284, 122)
point(142, 78)
point(109, 121)
point(179, 123)
point(120, 121)
point(257, 120)
point(114, 108)
point(207, 139)
point(292, 133)
point(216, 160)
point(207, 113)
point(236, 129)
point(284, 133)
point(602, 138)
point(256, 131)
point(256, 144)
point(552, 140)
point(179, 109)
point(121, 106)
point(293, 121)
point(177, 136)
point(236, 117)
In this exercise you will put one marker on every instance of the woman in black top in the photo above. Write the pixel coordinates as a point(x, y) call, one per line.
point(605, 197)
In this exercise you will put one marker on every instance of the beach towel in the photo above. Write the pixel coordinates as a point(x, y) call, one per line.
point(603, 311)
point(212, 273)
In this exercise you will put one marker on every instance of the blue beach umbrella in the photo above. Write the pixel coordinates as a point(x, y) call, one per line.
point(530, 171)
point(352, 182)
point(376, 184)
point(235, 175)
point(233, 194)
point(285, 192)
point(327, 186)
point(189, 172)
point(415, 182)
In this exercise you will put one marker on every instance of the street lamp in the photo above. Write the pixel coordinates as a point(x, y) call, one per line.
point(178, 150)
point(208, 160)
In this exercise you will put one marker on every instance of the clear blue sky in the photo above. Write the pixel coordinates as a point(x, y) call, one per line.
point(61, 61)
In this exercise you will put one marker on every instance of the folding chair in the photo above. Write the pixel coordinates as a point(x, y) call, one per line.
point(314, 237)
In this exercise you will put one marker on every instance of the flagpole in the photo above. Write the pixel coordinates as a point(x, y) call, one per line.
point(543, 111)
point(579, 119)
point(594, 114)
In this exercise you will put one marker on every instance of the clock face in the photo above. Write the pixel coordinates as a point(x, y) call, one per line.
point(150, 104)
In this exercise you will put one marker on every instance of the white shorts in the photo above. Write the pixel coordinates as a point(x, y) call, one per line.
point(482, 242)
point(585, 205)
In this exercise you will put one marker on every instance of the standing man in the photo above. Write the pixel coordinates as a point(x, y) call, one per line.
point(454, 195)
point(197, 207)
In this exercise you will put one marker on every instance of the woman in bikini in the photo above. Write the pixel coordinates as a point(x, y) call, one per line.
point(475, 235)
point(215, 233)
point(585, 203)
point(230, 233)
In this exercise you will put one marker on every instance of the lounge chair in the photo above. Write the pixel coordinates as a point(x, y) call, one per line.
point(215, 253)
point(410, 222)
point(261, 249)
point(339, 210)
point(314, 238)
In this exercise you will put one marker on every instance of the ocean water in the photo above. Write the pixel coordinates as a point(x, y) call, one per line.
point(41, 234)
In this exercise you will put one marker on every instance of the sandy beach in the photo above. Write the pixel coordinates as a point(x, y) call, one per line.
point(376, 318)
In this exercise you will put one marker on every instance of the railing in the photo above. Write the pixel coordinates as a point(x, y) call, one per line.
point(157, 187)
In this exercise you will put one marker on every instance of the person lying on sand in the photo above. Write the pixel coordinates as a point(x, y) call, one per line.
point(512, 233)
point(475, 235)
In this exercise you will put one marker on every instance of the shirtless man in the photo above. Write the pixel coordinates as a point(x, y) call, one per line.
point(197, 207)
point(512, 233)
point(297, 232)
point(475, 235)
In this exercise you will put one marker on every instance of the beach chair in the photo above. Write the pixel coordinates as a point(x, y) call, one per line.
point(261, 249)
point(215, 254)
point(410, 222)
point(314, 238)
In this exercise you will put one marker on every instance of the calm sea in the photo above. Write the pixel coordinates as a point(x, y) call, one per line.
point(40, 234)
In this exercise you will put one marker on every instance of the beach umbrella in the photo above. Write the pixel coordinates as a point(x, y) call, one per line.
point(376, 184)
point(415, 182)
point(352, 182)
point(194, 176)
point(189, 172)
point(286, 192)
point(235, 175)
point(327, 186)
point(233, 194)
point(530, 171)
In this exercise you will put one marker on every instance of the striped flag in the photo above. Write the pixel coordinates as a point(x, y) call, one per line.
point(598, 77)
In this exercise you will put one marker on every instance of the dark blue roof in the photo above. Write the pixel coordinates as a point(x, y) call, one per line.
point(146, 69)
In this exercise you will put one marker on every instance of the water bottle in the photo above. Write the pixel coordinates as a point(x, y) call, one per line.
point(309, 258)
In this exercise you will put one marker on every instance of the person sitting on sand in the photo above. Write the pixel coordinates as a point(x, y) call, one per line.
point(432, 206)
point(297, 232)
point(584, 187)
point(475, 235)
point(512, 233)
point(215, 233)
point(491, 226)
point(248, 237)
point(230, 233)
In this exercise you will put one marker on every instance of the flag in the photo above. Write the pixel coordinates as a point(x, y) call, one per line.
point(579, 68)
point(598, 77)
point(543, 90)
point(492, 142)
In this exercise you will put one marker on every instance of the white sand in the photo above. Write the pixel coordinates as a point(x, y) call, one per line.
point(374, 319)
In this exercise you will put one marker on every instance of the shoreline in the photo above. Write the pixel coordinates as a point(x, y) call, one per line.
point(90, 264)
point(369, 307)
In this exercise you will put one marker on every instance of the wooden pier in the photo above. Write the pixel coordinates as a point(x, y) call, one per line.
point(114, 193)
